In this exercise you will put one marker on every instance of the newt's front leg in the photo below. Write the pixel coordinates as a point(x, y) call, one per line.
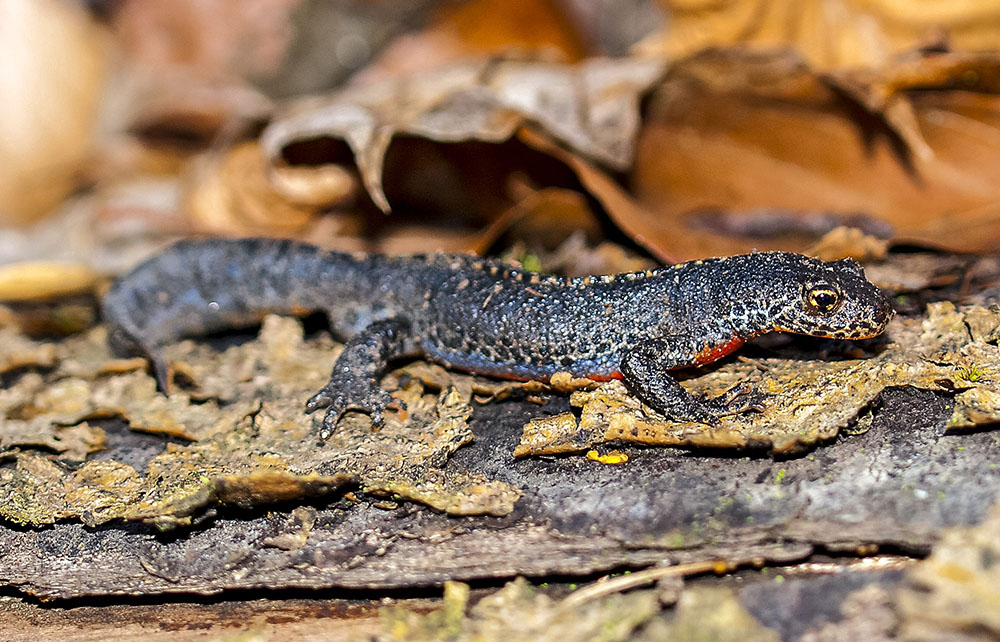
point(354, 382)
point(646, 372)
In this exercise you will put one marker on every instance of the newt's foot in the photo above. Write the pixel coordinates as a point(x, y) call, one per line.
point(648, 376)
point(738, 399)
point(340, 398)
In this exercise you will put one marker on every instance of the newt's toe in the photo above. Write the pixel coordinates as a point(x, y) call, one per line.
point(321, 399)
point(736, 400)
point(371, 400)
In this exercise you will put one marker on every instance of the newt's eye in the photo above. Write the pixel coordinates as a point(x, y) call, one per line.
point(823, 298)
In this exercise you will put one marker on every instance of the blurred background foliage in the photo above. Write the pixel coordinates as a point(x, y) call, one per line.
point(676, 129)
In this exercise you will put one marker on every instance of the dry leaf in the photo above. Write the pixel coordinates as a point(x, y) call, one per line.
point(916, 272)
point(34, 280)
point(232, 194)
point(478, 28)
point(212, 38)
point(321, 186)
point(105, 232)
point(18, 351)
point(543, 219)
point(50, 107)
point(744, 151)
point(827, 33)
point(73, 443)
point(592, 107)
point(843, 242)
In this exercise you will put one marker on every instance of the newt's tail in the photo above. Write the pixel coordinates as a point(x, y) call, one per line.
point(125, 344)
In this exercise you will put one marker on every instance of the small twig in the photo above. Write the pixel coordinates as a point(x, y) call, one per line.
point(753, 362)
point(603, 588)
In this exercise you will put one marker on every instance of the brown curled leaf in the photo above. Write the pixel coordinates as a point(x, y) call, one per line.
point(830, 35)
point(591, 107)
point(742, 151)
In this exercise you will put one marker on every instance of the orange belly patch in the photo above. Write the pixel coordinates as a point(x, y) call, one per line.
point(604, 376)
point(714, 353)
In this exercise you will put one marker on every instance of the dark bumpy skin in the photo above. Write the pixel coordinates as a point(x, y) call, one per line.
point(490, 318)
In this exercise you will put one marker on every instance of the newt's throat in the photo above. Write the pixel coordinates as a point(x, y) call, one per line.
point(714, 353)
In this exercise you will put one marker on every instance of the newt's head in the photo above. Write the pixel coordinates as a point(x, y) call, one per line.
point(824, 298)
point(789, 292)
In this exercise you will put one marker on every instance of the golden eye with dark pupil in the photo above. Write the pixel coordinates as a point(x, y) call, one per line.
point(823, 299)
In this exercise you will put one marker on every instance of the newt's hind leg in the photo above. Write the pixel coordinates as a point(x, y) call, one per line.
point(354, 382)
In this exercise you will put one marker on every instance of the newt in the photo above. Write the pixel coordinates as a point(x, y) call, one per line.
point(488, 317)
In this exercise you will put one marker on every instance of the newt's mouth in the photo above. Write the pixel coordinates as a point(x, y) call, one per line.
point(866, 327)
point(853, 334)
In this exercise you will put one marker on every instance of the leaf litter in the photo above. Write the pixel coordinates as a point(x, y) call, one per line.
point(249, 442)
point(250, 445)
point(520, 611)
point(955, 593)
